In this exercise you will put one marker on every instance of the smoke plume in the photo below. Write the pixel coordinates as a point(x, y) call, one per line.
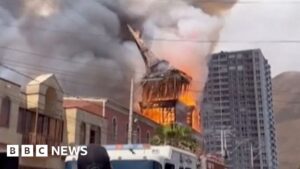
point(80, 42)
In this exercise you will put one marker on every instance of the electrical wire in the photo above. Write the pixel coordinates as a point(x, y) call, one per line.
point(48, 57)
point(77, 83)
point(67, 74)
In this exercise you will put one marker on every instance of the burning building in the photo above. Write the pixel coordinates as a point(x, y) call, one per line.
point(79, 41)
point(165, 90)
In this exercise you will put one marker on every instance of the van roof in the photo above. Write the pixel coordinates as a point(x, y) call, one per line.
point(139, 151)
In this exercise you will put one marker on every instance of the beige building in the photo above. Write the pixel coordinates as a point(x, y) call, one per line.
point(9, 106)
point(84, 126)
point(35, 116)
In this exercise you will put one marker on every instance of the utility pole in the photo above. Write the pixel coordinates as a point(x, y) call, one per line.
point(252, 158)
point(222, 144)
point(130, 120)
point(36, 124)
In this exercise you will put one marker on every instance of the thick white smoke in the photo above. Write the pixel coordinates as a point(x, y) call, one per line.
point(80, 41)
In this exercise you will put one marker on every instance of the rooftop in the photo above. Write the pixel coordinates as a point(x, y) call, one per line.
point(13, 83)
point(238, 51)
point(95, 106)
point(84, 105)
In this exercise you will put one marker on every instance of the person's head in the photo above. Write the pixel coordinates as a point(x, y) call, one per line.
point(96, 158)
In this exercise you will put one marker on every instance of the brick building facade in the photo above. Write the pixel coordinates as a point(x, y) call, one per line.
point(116, 116)
point(84, 126)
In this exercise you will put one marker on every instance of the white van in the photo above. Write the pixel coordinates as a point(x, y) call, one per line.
point(140, 156)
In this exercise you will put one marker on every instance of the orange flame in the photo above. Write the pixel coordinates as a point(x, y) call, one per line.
point(164, 116)
point(160, 116)
point(189, 99)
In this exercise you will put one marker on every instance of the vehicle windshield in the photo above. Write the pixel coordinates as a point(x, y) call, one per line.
point(71, 165)
point(135, 164)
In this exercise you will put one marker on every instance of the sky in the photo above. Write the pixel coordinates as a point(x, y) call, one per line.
point(265, 24)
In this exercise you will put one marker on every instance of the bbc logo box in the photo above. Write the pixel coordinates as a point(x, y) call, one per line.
point(44, 150)
point(27, 151)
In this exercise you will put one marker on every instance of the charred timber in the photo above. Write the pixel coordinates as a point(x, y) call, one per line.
point(164, 104)
point(164, 86)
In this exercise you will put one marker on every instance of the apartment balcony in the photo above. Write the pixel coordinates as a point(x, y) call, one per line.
point(32, 138)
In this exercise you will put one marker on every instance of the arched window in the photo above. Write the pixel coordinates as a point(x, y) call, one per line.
point(50, 100)
point(82, 134)
point(98, 135)
point(114, 129)
point(148, 137)
point(127, 128)
point(5, 112)
point(138, 135)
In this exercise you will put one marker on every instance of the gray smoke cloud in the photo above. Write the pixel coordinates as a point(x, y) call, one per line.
point(80, 41)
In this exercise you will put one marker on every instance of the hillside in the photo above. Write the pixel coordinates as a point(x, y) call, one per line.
point(286, 96)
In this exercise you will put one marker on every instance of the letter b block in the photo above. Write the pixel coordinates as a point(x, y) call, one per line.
point(27, 151)
point(12, 150)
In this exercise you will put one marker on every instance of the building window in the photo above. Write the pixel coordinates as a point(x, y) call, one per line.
point(5, 112)
point(127, 131)
point(26, 121)
point(49, 130)
point(95, 135)
point(98, 135)
point(46, 126)
point(115, 128)
point(51, 98)
point(148, 137)
point(82, 134)
point(92, 136)
point(138, 135)
point(52, 134)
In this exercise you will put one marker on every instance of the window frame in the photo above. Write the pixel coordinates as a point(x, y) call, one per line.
point(5, 112)
point(114, 129)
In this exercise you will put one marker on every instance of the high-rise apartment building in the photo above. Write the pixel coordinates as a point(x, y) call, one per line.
point(238, 103)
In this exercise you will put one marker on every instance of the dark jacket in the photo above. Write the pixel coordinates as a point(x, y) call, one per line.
point(96, 158)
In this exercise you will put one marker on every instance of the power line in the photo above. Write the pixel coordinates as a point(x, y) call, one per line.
point(69, 81)
point(62, 71)
point(30, 53)
point(29, 77)
point(68, 61)
point(64, 77)
point(233, 1)
point(54, 70)
point(90, 65)
point(91, 34)
point(111, 38)
point(66, 74)
point(287, 41)
point(34, 79)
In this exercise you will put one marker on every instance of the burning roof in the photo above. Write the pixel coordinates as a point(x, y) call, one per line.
point(161, 82)
point(164, 85)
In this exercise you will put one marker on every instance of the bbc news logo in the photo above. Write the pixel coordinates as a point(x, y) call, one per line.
point(44, 150)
